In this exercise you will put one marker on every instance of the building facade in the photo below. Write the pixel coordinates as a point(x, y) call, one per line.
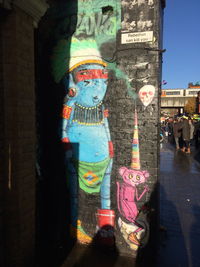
point(174, 100)
point(80, 112)
point(18, 20)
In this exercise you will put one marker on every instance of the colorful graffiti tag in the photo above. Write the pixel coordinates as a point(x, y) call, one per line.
point(127, 195)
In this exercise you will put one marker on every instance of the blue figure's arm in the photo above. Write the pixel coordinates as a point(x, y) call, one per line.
point(65, 122)
point(107, 129)
point(66, 114)
point(110, 144)
point(68, 105)
point(105, 115)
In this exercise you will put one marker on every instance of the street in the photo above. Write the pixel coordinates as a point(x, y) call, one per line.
point(179, 209)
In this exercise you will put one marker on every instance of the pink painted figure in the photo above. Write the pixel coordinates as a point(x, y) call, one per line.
point(127, 193)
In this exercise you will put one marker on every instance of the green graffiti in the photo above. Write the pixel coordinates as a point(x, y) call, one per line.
point(92, 6)
point(66, 51)
point(91, 18)
point(95, 24)
point(97, 20)
point(121, 75)
point(60, 60)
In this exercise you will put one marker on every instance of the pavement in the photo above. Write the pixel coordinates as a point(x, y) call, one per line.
point(179, 208)
point(81, 256)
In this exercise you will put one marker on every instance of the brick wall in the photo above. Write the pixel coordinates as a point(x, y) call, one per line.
point(136, 65)
point(1, 145)
point(17, 78)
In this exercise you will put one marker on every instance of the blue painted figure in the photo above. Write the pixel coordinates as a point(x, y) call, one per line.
point(86, 137)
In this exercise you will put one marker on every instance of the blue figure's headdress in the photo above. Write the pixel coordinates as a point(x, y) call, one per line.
point(69, 54)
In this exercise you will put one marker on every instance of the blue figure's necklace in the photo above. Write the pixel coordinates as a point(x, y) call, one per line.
point(88, 115)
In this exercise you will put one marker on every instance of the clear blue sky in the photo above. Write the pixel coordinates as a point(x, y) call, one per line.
point(181, 39)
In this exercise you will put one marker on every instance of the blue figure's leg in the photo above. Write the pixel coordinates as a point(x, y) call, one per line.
point(106, 216)
point(73, 187)
point(105, 187)
point(77, 231)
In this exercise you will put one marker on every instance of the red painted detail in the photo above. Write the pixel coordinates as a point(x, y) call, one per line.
point(106, 113)
point(111, 149)
point(66, 112)
point(90, 74)
point(106, 223)
point(105, 217)
point(72, 92)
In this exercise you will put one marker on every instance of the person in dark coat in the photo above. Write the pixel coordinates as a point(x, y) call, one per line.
point(177, 132)
point(197, 134)
point(186, 135)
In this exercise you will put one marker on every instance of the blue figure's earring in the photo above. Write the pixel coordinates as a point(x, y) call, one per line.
point(70, 85)
point(72, 92)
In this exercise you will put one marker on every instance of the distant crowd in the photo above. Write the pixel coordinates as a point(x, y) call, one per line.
point(183, 131)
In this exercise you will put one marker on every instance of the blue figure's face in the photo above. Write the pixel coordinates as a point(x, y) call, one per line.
point(90, 82)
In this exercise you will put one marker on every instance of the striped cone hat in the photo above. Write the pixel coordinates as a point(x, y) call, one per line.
point(135, 161)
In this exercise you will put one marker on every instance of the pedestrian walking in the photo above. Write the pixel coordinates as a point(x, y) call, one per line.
point(166, 129)
point(197, 134)
point(177, 132)
point(191, 130)
point(186, 135)
point(170, 130)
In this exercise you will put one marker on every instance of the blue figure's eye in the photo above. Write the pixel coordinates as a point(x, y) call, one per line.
point(86, 82)
point(104, 71)
point(83, 73)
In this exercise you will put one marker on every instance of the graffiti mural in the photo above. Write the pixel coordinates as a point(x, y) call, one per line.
point(98, 74)
point(146, 94)
point(78, 63)
point(85, 122)
point(97, 19)
point(95, 24)
point(127, 195)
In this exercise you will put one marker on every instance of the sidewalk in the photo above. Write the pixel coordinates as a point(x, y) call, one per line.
point(89, 256)
point(179, 209)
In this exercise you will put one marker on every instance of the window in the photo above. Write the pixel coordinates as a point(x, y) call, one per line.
point(193, 92)
point(173, 93)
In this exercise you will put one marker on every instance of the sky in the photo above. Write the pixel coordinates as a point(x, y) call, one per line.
point(181, 39)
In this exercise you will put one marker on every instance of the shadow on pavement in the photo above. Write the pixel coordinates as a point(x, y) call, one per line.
point(147, 253)
point(180, 158)
point(195, 237)
point(101, 252)
point(172, 249)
